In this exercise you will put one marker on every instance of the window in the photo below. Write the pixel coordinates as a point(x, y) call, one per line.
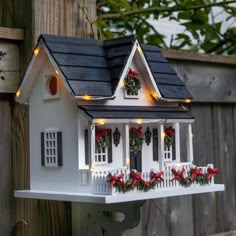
point(130, 95)
point(51, 145)
point(101, 156)
point(168, 153)
point(51, 88)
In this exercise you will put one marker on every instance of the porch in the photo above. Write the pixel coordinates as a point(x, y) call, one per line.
point(169, 183)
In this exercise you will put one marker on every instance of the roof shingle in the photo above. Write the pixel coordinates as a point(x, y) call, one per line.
point(94, 67)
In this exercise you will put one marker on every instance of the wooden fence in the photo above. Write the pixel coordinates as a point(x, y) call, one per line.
point(211, 79)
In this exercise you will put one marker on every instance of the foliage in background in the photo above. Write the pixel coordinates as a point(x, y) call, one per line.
point(202, 30)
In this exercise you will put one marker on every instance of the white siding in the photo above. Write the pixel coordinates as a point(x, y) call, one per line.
point(59, 114)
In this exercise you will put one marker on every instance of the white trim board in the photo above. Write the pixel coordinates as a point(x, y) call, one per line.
point(108, 199)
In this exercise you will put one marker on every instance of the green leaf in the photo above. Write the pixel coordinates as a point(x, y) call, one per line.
point(186, 15)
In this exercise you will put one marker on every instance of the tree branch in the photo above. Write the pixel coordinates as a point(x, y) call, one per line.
point(164, 9)
point(153, 29)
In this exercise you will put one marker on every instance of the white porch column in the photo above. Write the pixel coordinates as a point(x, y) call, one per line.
point(92, 146)
point(189, 143)
point(161, 147)
point(177, 142)
point(126, 147)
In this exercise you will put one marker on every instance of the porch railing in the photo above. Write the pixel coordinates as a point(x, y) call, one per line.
point(100, 183)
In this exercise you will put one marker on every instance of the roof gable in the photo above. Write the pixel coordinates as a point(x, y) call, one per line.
point(94, 67)
point(167, 80)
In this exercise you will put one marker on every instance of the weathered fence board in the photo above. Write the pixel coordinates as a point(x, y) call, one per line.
point(208, 82)
point(5, 169)
point(214, 135)
point(10, 33)
point(202, 214)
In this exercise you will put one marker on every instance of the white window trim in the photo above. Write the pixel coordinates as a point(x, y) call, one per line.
point(168, 150)
point(101, 154)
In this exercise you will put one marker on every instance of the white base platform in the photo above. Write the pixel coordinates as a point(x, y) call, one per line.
point(107, 199)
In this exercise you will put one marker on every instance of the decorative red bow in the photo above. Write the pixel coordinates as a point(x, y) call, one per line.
point(133, 73)
point(137, 178)
point(156, 176)
point(195, 173)
point(116, 179)
point(170, 131)
point(137, 131)
point(211, 172)
point(178, 175)
point(100, 133)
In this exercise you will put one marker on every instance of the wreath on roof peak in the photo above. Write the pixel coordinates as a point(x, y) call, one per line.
point(132, 82)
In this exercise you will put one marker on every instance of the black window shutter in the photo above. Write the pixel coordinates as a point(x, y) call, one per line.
point(110, 150)
point(173, 148)
point(86, 146)
point(59, 149)
point(42, 149)
point(155, 144)
point(139, 161)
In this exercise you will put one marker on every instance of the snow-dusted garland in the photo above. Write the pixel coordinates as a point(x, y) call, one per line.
point(132, 83)
point(194, 175)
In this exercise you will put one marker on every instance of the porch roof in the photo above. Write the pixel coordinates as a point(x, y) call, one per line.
point(127, 112)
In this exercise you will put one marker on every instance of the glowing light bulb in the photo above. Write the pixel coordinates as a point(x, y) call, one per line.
point(36, 51)
point(57, 72)
point(163, 134)
point(139, 49)
point(122, 84)
point(18, 93)
point(178, 165)
point(101, 121)
point(87, 97)
point(187, 100)
point(139, 121)
point(154, 95)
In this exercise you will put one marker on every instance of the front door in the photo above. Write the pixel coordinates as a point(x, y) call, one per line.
point(136, 161)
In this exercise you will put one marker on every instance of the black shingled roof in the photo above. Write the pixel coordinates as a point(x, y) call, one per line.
point(94, 67)
point(132, 112)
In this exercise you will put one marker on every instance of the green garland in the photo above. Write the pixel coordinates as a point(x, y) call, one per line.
point(169, 136)
point(141, 185)
point(127, 185)
point(202, 179)
point(136, 139)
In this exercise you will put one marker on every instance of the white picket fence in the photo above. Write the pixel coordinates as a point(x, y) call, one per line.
point(100, 184)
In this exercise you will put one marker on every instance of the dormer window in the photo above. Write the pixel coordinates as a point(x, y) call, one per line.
point(51, 87)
